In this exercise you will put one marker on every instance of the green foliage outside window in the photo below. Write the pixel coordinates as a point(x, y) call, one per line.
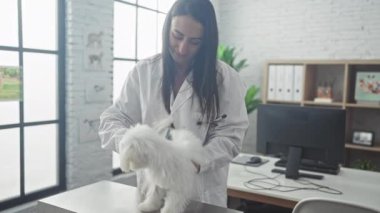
point(10, 83)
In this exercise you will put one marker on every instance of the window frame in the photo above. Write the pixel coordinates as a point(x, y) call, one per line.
point(61, 155)
point(117, 171)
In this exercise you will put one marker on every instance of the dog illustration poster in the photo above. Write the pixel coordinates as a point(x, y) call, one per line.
point(98, 91)
point(10, 84)
point(88, 126)
point(94, 51)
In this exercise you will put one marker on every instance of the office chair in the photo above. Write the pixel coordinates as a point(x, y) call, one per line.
point(318, 205)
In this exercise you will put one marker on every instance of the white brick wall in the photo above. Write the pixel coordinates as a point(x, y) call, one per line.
point(297, 29)
point(86, 161)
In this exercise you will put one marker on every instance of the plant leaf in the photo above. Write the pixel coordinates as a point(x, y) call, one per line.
point(242, 64)
point(251, 102)
point(251, 93)
point(253, 105)
point(220, 53)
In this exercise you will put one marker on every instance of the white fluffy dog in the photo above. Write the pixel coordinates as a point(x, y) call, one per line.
point(168, 165)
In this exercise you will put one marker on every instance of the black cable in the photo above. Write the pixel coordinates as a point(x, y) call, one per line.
point(275, 185)
point(321, 188)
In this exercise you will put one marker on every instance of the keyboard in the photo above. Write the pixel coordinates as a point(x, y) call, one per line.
point(312, 166)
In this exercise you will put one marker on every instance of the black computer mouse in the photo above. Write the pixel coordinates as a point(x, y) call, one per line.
point(255, 160)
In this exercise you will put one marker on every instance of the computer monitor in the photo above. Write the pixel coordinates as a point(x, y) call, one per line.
point(315, 135)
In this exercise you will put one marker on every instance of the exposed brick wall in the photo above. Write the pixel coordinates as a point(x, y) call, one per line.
point(86, 161)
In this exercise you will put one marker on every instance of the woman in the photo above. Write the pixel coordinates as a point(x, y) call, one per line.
point(187, 82)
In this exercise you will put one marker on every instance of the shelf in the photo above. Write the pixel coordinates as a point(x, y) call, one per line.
point(365, 148)
point(283, 102)
point(338, 104)
point(362, 106)
point(341, 75)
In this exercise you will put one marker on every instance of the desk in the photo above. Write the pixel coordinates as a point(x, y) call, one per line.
point(110, 197)
point(360, 187)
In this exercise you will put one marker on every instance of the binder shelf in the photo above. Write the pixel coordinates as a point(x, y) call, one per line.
point(329, 83)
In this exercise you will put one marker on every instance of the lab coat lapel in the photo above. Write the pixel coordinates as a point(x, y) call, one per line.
point(184, 94)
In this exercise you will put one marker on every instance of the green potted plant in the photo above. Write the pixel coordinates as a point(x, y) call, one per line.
point(229, 56)
point(364, 165)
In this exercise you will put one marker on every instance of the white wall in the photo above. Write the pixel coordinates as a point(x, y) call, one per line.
point(297, 29)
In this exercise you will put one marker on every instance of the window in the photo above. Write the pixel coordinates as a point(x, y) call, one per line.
point(32, 126)
point(137, 35)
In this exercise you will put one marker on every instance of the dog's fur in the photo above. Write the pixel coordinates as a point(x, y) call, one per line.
point(168, 165)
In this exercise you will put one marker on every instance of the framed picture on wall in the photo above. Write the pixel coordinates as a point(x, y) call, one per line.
point(365, 138)
point(94, 51)
point(88, 126)
point(367, 88)
point(98, 91)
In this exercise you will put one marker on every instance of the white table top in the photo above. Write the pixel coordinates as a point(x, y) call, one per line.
point(360, 187)
point(109, 197)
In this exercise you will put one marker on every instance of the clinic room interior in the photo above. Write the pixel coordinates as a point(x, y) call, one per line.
point(305, 72)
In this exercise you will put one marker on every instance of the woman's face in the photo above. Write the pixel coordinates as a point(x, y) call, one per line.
point(185, 39)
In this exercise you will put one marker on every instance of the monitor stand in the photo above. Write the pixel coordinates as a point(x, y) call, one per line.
point(293, 164)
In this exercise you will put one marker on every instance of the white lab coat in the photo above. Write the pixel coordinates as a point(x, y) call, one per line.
point(141, 101)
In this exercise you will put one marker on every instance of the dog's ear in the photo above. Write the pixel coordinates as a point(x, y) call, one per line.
point(126, 157)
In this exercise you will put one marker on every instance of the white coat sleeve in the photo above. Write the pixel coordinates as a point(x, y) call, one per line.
point(225, 140)
point(126, 111)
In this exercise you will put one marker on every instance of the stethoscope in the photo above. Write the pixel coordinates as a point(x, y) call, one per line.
point(215, 121)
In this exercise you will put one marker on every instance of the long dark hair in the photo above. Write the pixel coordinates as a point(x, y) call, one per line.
point(204, 65)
